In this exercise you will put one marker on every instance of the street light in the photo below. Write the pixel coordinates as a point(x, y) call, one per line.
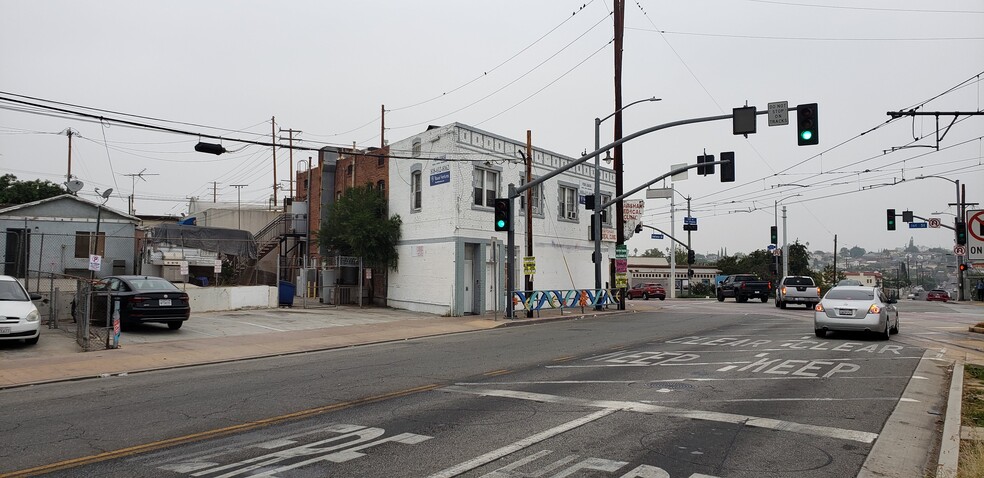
point(958, 218)
point(596, 215)
point(105, 195)
point(785, 247)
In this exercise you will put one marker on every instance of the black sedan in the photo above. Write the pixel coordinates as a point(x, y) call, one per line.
point(142, 299)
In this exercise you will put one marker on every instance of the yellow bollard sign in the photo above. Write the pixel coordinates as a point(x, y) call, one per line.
point(529, 265)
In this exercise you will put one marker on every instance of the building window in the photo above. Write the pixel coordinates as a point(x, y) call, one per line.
point(83, 244)
point(415, 149)
point(486, 184)
point(348, 169)
point(567, 209)
point(380, 160)
point(415, 193)
point(381, 186)
point(537, 199)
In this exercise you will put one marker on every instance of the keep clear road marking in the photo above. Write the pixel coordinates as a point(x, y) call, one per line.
point(614, 405)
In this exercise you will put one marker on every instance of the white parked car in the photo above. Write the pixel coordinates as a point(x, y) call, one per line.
point(860, 309)
point(19, 318)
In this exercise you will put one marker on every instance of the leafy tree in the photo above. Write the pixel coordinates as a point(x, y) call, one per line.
point(857, 252)
point(357, 226)
point(653, 253)
point(13, 191)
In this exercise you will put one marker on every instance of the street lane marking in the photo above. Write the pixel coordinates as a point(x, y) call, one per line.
point(803, 399)
point(128, 451)
point(612, 405)
point(629, 382)
point(519, 445)
point(567, 358)
point(496, 373)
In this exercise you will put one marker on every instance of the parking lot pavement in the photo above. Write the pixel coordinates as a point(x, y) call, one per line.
point(215, 337)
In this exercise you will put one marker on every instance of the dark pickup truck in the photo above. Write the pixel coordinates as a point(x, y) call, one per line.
point(744, 286)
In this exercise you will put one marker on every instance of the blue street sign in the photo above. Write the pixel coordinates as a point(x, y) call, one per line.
point(770, 247)
point(657, 236)
point(690, 220)
point(918, 225)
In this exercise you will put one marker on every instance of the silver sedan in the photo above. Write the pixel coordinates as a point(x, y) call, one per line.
point(855, 308)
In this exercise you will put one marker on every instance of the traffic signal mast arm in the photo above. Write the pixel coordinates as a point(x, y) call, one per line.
point(667, 235)
point(522, 188)
point(660, 178)
point(941, 224)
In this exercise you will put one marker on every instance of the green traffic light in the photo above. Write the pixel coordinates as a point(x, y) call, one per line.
point(500, 223)
point(806, 135)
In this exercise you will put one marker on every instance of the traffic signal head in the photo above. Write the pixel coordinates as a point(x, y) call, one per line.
point(705, 169)
point(963, 267)
point(774, 234)
point(907, 216)
point(890, 218)
point(503, 214)
point(690, 257)
point(728, 167)
point(806, 125)
point(638, 228)
point(961, 230)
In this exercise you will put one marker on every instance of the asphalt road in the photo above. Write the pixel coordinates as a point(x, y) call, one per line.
point(688, 390)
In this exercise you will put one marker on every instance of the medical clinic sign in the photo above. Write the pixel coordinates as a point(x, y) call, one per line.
point(975, 236)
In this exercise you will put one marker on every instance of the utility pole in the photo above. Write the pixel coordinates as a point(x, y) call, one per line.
point(690, 271)
point(382, 126)
point(529, 209)
point(273, 138)
point(290, 142)
point(69, 132)
point(619, 6)
point(785, 246)
point(133, 187)
point(215, 187)
point(239, 203)
point(833, 280)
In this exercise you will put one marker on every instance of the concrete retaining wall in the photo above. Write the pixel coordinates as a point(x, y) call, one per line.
point(206, 299)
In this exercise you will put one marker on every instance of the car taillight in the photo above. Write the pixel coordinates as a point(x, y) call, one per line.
point(139, 298)
point(783, 290)
point(818, 291)
point(818, 308)
point(874, 309)
point(770, 284)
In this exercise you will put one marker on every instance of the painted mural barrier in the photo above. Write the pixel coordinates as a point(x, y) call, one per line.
point(563, 299)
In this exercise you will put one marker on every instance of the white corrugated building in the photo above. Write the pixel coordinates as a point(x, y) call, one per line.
point(442, 184)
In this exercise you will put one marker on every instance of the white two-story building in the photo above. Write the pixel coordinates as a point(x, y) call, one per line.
point(443, 183)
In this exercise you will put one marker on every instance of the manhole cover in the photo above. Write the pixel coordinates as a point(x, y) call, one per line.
point(671, 385)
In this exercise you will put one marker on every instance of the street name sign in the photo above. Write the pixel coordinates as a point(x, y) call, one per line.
point(918, 225)
point(690, 220)
point(779, 113)
point(657, 236)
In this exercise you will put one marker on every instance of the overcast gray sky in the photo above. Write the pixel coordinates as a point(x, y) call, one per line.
point(325, 67)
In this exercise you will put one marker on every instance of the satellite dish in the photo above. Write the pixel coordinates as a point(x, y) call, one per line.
point(105, 194)
point(74, 186)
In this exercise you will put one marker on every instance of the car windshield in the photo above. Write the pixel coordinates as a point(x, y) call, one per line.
point(845, 294)
point(10, 290)
point(798, 281)
point(151, 283)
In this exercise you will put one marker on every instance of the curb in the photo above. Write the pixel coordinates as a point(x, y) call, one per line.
point(950, 444)
point(979, 330)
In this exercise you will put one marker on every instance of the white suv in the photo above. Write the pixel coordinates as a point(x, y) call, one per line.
point(19, 318)
point(797, 290)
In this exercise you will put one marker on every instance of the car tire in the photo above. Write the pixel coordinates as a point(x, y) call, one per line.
point(782, 304)
point(720, 296)
point(887, 334)
point(662, 298)
point(895, 330)
point(777, 301)
point(175, 325)
point(741, 299)
point(645, 296)
point(32, 341)
point(820, 333)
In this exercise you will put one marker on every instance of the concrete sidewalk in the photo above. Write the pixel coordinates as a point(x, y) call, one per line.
point(57, 357)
